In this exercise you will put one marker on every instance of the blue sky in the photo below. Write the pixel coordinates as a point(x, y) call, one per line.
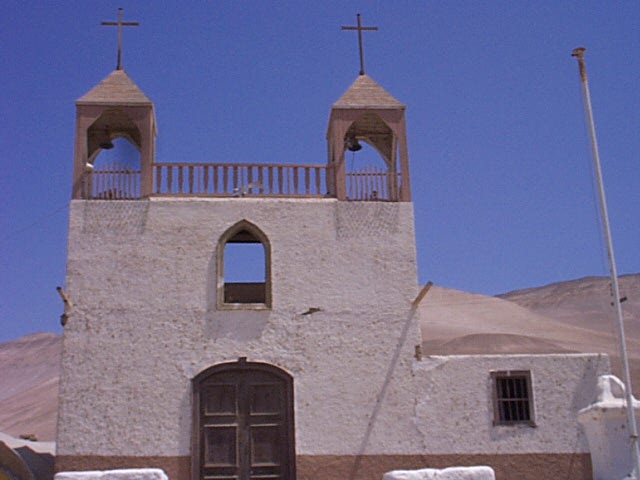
point(500, 165)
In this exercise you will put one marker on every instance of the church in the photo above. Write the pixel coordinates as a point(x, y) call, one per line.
point(314, 369)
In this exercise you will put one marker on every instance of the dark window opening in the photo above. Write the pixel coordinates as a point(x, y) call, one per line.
point(512, 398)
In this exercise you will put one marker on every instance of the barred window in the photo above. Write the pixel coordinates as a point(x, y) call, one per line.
point(512, 398)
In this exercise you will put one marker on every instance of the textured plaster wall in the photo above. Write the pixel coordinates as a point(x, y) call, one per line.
point(454, 409)
point(142, 278)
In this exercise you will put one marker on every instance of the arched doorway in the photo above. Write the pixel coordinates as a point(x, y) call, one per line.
point(243, 422)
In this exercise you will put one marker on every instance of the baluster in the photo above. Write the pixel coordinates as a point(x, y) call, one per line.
point(205, 179)
point(366, 178)
point(106, 177)
point(225, 179)
point(116, 178)
point(131, 186)
point(104, 180)
point(180, 179)
point(295, 180)
point(269, 188)
point(123, 181)
point(280, 179)
point(110, 180)
point(235, 178)
point(356, 183)
point(170, 179)
point(306, 180)
point(373, 182)
point(190, 178)
point(249, 187)
point(119, 180)
point(317, 174)
point(365, 182)
point(260, 179)
point(94, 183)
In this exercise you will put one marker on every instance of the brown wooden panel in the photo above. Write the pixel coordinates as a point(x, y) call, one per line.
point(245, 423)
point(265, 398)
point(220, 446)
point(220, 399)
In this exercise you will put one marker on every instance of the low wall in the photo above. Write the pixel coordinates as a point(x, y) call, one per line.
point(453, 473)
point(122, 474)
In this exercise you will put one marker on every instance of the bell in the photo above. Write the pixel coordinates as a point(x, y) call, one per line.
point(106, 144)
point(353, 145)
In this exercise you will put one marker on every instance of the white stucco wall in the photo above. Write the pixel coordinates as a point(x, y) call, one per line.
point(142, 278)
point(454, 410)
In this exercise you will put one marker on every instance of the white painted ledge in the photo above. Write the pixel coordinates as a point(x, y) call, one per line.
point(122, 474)
point(452, 473)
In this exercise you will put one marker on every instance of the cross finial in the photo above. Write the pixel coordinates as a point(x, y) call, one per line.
point(120, 24)
point(360, 28)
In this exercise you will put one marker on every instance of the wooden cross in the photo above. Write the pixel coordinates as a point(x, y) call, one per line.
point(120, 24)
point(360, 28)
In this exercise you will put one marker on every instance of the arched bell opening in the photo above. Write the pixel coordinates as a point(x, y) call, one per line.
point(115, 171)
point(113, 166)
point(370, 160)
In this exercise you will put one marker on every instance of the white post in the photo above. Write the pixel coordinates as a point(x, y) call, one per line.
point(633, 431)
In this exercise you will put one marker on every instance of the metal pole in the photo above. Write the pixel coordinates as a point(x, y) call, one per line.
point(633, 431)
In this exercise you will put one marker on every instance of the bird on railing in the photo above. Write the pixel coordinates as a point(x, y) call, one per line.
point(246, 188)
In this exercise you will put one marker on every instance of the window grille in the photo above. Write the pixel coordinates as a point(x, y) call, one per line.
point(512, 398)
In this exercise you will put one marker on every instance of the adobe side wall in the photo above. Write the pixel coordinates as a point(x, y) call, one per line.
point(454, 409)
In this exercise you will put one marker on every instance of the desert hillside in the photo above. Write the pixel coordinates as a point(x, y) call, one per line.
point(573, 316)
point(29, 374)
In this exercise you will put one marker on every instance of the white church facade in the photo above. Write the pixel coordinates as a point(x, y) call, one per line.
point(313, 371)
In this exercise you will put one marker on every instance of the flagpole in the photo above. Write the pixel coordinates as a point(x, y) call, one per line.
point(633, 431)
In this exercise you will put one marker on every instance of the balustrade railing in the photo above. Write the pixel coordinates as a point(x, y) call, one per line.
point(240, 179)
point(372, 184)
point(119, 182)
point(112, 181)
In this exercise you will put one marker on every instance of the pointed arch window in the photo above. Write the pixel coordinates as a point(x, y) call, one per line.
point(244, 268)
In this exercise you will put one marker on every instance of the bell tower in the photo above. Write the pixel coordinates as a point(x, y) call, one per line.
point(367, 112)
point(116, 107)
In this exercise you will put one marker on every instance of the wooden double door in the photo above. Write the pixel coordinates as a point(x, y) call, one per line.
point(244, 423)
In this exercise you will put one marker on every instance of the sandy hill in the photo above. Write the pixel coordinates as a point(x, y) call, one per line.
point(29, 374)
point(573, 316)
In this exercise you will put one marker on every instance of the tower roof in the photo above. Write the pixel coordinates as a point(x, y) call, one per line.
point(116, 88)
point(365, 92)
